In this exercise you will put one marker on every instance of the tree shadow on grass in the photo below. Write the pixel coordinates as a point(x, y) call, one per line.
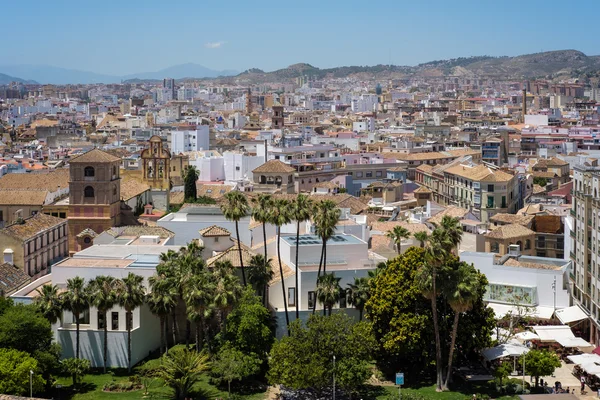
point(68, 392)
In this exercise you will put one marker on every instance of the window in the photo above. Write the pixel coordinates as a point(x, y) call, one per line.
point(311, 300)
point(62, 215)
point(89, 171)
point(490, 188)
point(292, 296)
point(101, 321)
point(378, 174)
point(88, 192)
point(216, 239)
point(114, 169)
point(490, 202)
point(84, 317)
point(527, 244)
point(503, 201)
point(359, 174)
point(237, 167)
point(369, 174)
point(494, 247)
point(87, 240)
point(114, 321)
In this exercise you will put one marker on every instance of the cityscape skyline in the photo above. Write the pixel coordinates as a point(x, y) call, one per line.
point(238, 36)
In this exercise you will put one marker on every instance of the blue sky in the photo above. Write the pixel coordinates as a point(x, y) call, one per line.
point(129, 36)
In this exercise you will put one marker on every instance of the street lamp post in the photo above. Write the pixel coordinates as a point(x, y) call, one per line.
point(554, 289)
point(333, 377)
point(31, 383)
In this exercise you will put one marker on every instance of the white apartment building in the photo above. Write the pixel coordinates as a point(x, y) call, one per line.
point(190, 140)
point(210, 165)
point(238, 166)
point(347, 258)
point(585, 244)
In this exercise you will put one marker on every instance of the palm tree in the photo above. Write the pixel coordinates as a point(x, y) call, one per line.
point(235, 209)
point(435, 256)
point(358, 294)
point(301, 211)
point(260, 212)
point(161, 301)
point(102, 292)
point(422, 237)
point(260, 274)
point(197, 296)
point(131, 295)
point(76, 300)
point(326, 216)
point(462, 292)
point(189, 264)
point(49, 303)
point(226, 289)
point(280, 215)
point(168, 269)
point(181, 369)
point(329, 291)
point(453, 231)
point(397, 234)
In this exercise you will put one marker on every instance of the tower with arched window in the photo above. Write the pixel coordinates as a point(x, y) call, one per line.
point(94, 197)
point(156, 164)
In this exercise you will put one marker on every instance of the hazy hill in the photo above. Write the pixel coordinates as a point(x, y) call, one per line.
point(6, 79)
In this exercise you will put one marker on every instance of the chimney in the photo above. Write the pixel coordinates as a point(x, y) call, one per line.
point(524, 102)
point(8, 256)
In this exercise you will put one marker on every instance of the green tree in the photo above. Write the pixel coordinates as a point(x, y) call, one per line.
point(260, 274)
point(538, 180)
point(181, 369)
point(329, 291)
point(234, 209)
point(197, 296)
point(190, 176)
point(102, 292)
point(250, 326)
point(76, 300)
point(15, 367)
point(232, 364)
point(397, 235)
point(358, 294)
point(5, 303)
point(325, 216)
point(261, 210)
point(305, 358)
point(161, 301)
point(540, 363)
point(77, 368)
point(227, 290)
point(131, 295)
point(422, 237)
point(502, 371)
point(301, 211)
point(49, 303)
point(280, 215)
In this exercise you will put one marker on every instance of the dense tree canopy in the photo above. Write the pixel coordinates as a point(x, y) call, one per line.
point(24, 328)
point(305, 358)
point(14, 373)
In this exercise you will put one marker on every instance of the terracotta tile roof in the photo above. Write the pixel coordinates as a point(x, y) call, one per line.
point(387, 226)
point(479, 172)
point(131, 187)
point(50, 180)
point(550, 162)
point(177, 197)
point(287, 271)
point(396, 169)
point(505, 218)
point(548, 224)
point(326, 185)
point(509, 231)
point(212, 191)
point(342, 200)
point(422, 189)
point(32, 226)
point(274, 166)
point(232, 255)
point(537, 189)
point(452, 211)
point(531, 209)
point(94, 156)
point(544, 174)
point(140, 230)
point(511, 262)
point(214, 230)
point(23, 197)
point(11, 278)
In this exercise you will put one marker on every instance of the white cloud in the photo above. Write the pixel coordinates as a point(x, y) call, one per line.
point(213, 45)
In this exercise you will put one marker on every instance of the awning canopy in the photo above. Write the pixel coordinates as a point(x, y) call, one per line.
point(539, 312)
point(554, 333)
point(504, 350)
point(584, 358)
point(574, 342)
point(526, 335)
point(571, 314)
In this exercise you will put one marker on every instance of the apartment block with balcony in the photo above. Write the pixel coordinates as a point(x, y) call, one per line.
point(492, 151)
point(585, 245)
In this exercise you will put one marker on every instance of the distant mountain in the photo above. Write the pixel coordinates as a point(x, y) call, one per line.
point(62, 76)
point(6, 79)
point(549, 65)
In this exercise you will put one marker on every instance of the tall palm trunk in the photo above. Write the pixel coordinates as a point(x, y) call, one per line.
point(77, 336)
point(296, 274)
point(318, 276)
point(198, 328)
point(188, 332)
point(129, 323)
point(360, 315)
point(452, 342)
point(287, 317)
point(167, 334)
point(105, 355)
point(237, 232)
point(264, 229)
point(436, 329)
point(325, 269)
point(162, 335)
point(175, 334)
